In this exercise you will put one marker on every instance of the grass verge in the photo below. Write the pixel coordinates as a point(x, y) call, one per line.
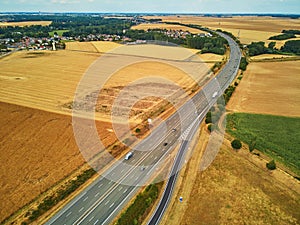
point(59, 32)
point(138, 210)
point(276, 136)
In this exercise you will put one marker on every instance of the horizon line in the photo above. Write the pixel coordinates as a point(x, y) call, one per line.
point(173, 13)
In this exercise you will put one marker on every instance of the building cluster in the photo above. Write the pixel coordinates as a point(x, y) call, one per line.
point(28, 43)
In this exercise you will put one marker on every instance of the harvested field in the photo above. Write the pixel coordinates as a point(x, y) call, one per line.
point(269, 88)
point(43, 80)
point(48, 80)
point(25, 23)
point(271, 56)
point(38, 146)
point(93, 46)
point(248, 28)
point(210, 57)
point(235, 191)
point(38, 149)
point(147, 26)
point(260, 23)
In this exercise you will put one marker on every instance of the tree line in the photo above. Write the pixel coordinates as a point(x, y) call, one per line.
point(258, 48)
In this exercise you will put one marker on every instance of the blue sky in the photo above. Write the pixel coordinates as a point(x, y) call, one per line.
point(171, 6)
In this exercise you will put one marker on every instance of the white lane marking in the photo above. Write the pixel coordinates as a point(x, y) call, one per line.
point(122, 171)
point(91, 219)
point(85, 198)
point(107, 202)
point(100, 185)
point(81, 209)
point(155, 158)
point(120, 188)
point(97, 194)
point(111, 205)
point(96, 222)
point(136, 178)
point(109, 182)
point(124, 190)
point(69, 214)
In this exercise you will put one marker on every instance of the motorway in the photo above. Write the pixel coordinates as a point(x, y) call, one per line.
point(103, 200)
point(225, 77)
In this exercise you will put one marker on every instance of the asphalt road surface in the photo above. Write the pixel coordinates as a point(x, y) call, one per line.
point(104, 198)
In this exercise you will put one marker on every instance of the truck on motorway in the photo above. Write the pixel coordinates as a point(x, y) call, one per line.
point(128, 155)
point(215, 94)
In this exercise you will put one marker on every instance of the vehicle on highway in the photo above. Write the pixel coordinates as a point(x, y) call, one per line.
point(165, 144)
point(128, 155)
point(215, 94)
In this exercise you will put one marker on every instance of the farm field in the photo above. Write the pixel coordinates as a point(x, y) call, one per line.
point(277, 136)
point(147, 26)
point(43, 80)
point(234, 191)
point(93, 46)
point(269, 24)
point(38, 149)
point(272, 56)
point(248, 28)
point(268, 88)
point(25, 23)
point(34, 90)
point(48, 80)
point(59, 32)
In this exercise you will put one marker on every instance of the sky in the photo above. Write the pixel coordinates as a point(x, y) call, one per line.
point(153, 6)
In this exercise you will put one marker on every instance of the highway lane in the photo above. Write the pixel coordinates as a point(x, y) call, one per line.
point(105, 197)
point(225, 77)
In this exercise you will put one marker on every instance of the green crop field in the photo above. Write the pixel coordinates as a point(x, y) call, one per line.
point(277, 136)
point(59, 32)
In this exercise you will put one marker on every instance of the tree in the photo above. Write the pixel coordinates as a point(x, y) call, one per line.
point(271, 45)
point(271, 165)
point(257, 48)
point(292, 47)
point(243, 64)
point(138, 130)
point(236, 144)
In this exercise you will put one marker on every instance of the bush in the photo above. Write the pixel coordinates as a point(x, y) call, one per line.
point(211, 127)
point(271, 165)
point(138, 130)
point(236, 144)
